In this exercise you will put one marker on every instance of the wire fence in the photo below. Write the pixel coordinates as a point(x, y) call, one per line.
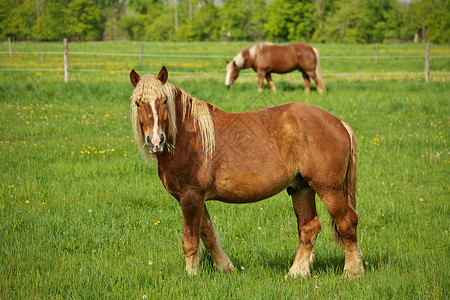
point(218, 72)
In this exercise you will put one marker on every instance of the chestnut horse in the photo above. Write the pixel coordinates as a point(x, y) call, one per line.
point(266, 58)
point(204, 153)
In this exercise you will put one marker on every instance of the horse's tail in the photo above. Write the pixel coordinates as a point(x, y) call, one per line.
point(320, 85)
point(350, 180)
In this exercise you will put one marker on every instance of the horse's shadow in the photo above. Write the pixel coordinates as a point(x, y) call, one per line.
point(288, 86)
point(279, 263)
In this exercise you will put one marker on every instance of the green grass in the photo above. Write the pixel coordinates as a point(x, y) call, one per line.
point(79, 210)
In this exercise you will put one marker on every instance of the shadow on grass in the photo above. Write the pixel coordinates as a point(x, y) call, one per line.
point(281, 263)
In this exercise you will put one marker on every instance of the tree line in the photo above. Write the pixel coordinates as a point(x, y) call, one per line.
point(327, 21)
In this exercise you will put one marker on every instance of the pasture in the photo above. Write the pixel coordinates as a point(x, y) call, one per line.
point(83, 216)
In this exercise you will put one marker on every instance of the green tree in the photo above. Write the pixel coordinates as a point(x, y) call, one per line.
point(17, 19)
point(349, 23)
point(206, 23)
point(431, 19)
point(291, 20)
point(139, 18)
point(234, 17)
point(83, 20)
point(51, 23)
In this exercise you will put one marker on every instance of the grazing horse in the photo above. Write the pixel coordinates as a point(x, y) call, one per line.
point(266, 58)
point(204, 153)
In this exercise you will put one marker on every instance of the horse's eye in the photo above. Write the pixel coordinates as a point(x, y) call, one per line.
point(165, 101)
point(137, 104)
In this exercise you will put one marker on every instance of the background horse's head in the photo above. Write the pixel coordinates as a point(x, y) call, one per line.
point(153, 109)
point(233, 68)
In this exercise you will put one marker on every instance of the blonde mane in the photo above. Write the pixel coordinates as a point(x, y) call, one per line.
point(253, 49)
point(150, 88)
point(239, 59)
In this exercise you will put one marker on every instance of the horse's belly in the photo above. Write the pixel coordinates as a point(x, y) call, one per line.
point(248, 187)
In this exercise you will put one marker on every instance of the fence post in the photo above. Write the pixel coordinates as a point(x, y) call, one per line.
point(66, 60)
point(427, 62)
point(9, 46)
point(376, 53)
point(142, 52)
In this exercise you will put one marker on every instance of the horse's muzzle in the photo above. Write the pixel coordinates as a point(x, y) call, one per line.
point(154, 143)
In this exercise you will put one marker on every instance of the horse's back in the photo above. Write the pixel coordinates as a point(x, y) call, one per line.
point(285, 58)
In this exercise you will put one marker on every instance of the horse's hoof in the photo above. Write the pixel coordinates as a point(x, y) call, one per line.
point(353, 273)
point(228, 268)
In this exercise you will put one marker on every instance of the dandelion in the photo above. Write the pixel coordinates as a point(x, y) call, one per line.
point(27, 202)
point(144, 297)
point(242, 268)
point(150, 263)
point(43, 203)
point(421, 199)
point(90, 211)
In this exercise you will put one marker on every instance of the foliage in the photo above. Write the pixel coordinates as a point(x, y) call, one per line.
point(346, 21)
point(291, 19)
point(83, 20)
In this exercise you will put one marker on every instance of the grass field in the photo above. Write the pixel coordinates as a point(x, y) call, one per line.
point(83, 217)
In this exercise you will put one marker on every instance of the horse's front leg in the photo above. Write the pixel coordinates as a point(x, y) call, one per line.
point(211, 242)
point(261, 76)
point(192, 208)
point(308, 228)
point(270, 82)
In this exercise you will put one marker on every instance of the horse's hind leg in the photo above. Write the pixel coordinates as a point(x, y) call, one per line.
point(308, 228)
point(346, 221)
point(211, 242)
point(313, 75)
point(307, 82)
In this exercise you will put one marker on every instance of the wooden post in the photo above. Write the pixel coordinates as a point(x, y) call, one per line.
point(427, 62)
point(66, 60)
point(142, 52)
point(376, 53)
point(9, 46)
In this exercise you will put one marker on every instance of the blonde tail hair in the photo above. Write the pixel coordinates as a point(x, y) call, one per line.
point(320, 85)
point(349, 181)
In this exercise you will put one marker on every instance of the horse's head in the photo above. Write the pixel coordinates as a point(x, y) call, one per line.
point(232, 73)
point(151, 102)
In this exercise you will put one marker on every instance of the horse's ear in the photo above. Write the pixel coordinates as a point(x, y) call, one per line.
point(234, 63)
point(163, 75)
point(227, 62)
point(134, 78)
